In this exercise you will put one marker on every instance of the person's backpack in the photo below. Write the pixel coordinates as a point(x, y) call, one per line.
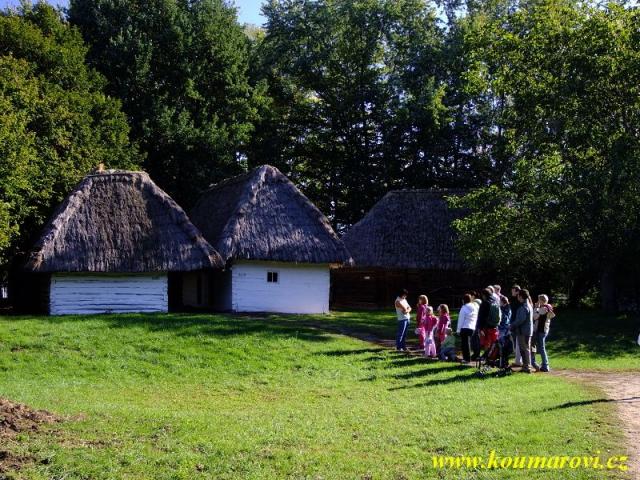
point(495, 315)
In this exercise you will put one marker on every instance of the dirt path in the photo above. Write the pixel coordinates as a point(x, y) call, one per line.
point(623, 389)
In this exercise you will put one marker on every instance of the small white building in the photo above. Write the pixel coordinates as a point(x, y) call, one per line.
point(278, 247)
point(114, 245)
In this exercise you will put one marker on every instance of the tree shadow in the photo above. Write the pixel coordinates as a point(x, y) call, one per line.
point(461, 378)
point(362, 351)
point(203, 324)
point(427, 371)
point(601, 334)
point(588, 402)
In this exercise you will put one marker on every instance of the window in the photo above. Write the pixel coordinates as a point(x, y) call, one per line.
point(272, 277)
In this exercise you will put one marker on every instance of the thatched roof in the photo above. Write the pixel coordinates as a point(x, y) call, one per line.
point(118, 221)
point(406, 229)
point(261, 215)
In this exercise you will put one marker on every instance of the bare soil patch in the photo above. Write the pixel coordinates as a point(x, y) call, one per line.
point(17, 418)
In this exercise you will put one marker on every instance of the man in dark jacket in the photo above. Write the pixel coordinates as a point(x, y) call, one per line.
point(515, 304)
point(483, 327)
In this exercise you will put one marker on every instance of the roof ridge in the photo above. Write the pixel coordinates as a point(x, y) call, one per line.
point(254, 177)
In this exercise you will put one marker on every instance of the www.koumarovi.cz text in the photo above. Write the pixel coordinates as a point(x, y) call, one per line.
point(534, 462)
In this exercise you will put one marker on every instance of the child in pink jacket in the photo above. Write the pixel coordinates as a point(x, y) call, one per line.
point(444, 322)
point(421, 314)
point(430, 323)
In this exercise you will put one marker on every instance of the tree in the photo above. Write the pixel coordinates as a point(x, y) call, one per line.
point(56, 124)
point(569, 74)
point(180, 70)
point(357, 100)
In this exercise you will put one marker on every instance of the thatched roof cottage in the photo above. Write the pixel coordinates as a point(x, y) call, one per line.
point(112, 245)
point(277, 245)
point(406, 240)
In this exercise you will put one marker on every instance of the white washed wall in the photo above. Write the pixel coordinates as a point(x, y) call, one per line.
point(300, 289)
point(106, 293)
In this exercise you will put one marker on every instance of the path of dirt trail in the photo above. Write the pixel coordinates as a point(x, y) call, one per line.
point(623, 389)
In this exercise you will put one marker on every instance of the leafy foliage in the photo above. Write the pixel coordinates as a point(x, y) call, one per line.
point(180, 69)
point(357, 93)
point(569, 74)
point(56, 124)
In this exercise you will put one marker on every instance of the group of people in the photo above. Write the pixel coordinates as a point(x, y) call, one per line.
point(490, 320)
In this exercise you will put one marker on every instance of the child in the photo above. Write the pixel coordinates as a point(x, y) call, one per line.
point(430, 323)
point(448, 347)
point(542, 314)
point(420, 318)
point(504, 334)
point(503, 327)
point(444, 322)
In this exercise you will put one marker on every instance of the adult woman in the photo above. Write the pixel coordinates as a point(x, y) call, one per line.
point(402, 312)
point(475, 338)
point(522, 328)
point(515, 305)
point(466, 325)
point(542, 315)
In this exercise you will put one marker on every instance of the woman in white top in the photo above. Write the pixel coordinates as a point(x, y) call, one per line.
point(402, 312)
point(466, 325)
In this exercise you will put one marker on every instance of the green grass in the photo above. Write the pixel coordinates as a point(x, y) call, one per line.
point(579, 339)
point(214, 396)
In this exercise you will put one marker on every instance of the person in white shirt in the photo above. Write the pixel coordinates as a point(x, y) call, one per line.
point(403, 311)
point(466, 326)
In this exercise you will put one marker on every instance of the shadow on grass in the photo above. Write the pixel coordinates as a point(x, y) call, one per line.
point(362, 351)
point(593, 333)
point(588, 402)
point(203, 324)
point(462, 378)
point(428, 371)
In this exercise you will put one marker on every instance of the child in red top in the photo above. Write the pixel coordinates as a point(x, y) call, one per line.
point(430, 322)
point(421, 314)
point(444, 322)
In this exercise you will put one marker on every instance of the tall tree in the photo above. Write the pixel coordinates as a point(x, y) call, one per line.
point(569, 73)
point(56, 124)
point(180, 69)
point(357, 90)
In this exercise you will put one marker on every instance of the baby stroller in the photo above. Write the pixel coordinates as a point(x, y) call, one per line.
point(495, 360)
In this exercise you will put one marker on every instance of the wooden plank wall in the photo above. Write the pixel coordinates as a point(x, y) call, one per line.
point(362, 288)
point(96, 293)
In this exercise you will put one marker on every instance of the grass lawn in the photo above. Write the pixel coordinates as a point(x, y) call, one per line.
point(215, 396)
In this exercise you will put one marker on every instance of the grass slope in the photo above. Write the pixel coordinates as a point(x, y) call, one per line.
point(214, 396)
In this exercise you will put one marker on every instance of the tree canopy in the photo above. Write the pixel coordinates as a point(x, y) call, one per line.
point(180, 69)
point(56, 124)
point(357, 91)
point(570, 76)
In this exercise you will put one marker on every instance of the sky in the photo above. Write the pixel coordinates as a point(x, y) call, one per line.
point(248, 10)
